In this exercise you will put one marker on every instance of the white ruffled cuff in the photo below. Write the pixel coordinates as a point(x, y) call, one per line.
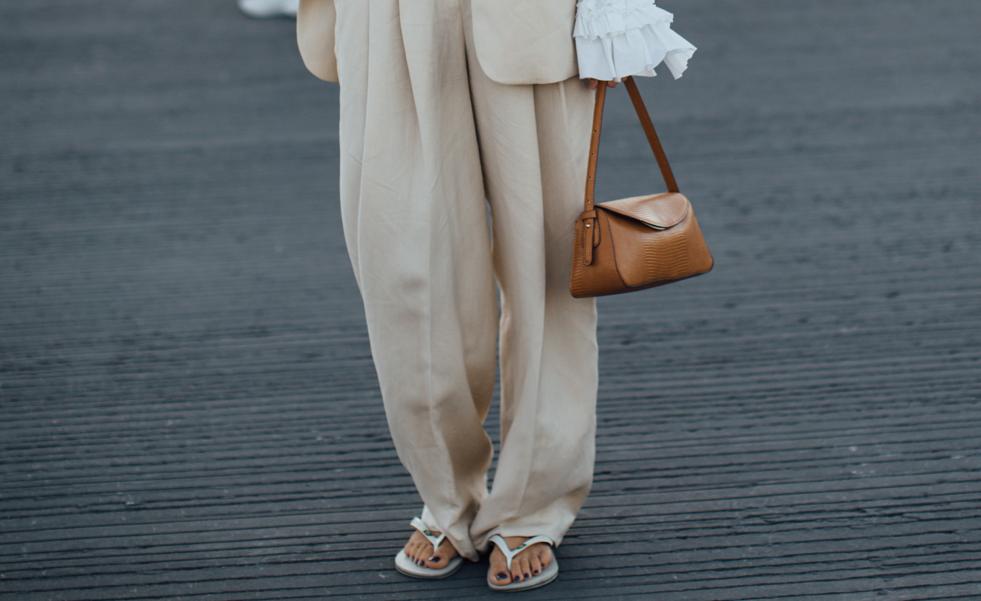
point(617, 38)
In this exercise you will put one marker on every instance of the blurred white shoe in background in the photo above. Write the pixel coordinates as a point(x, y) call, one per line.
point(264, 9)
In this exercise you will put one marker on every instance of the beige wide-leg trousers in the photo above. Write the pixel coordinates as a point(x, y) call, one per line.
point(427, 140)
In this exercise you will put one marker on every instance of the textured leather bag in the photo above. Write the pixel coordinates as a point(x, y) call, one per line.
point(637, 242)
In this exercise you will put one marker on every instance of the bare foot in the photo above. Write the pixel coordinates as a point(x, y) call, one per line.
point(420, 550)
point(527, 563)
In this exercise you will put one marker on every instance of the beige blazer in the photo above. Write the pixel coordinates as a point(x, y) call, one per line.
point(517, 41)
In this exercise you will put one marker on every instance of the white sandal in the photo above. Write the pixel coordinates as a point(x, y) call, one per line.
point(550, 573)
point(405, 564)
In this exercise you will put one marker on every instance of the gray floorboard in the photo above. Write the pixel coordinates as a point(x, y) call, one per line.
point(188, 408)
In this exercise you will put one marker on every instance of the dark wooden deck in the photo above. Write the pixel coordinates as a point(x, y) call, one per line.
point(189, 410)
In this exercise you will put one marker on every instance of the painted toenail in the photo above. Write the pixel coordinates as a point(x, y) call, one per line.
point(434, 558)
point(527, 575)
point(501, 575)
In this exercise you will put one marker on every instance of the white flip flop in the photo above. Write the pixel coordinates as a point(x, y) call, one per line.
point(550, 573)
point(404, 563)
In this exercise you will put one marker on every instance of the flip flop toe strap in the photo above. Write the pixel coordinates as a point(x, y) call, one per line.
point(428, 533)
point(510, 553)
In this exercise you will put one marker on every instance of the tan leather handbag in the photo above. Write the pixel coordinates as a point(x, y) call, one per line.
point(637, 242)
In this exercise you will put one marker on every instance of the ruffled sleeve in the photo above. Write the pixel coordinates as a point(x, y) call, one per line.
point(617, 38)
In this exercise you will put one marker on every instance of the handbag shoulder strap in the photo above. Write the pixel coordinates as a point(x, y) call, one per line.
point(649, 131)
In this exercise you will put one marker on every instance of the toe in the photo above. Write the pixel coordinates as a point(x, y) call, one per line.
point(438, 559)
point(498, 573)
point(525, 566)
point(516, 573)
point(536, 564)
point(545, 555)
point(417, 553)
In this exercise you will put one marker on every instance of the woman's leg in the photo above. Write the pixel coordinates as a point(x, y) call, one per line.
point(415, 224)
point(534, 144)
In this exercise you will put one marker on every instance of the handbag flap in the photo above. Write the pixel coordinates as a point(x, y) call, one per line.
point(660, 211)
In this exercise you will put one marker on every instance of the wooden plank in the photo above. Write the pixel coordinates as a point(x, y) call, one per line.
point(188, 408)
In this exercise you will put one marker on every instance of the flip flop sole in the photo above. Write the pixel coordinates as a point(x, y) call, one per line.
point(550, 573)
point(408, 567)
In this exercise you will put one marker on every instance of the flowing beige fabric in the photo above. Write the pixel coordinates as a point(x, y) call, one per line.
point(427, 139)
point(516, 41)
